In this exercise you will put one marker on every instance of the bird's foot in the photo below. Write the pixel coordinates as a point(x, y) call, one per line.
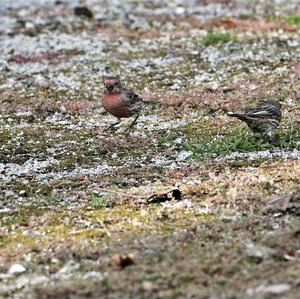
point(128, 129)
point(111, 127)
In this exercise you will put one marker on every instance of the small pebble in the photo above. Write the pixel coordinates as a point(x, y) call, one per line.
point(41, 82)
point(16, 269)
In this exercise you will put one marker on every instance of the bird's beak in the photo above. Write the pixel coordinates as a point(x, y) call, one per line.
point(109, 87)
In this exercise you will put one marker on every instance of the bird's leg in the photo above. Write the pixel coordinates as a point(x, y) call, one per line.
point(133, 123)
point(110, 127)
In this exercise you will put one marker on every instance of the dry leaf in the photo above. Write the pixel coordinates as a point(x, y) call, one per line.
point(272, 289)
point(176, 193)
point(280, 202)
point(159, 197)
point(165, 195)
point(123, 260)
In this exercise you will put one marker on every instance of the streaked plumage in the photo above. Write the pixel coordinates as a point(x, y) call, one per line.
point(262, 119)
point(120, 101)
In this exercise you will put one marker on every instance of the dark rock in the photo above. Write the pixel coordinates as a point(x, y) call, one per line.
point(83, 11)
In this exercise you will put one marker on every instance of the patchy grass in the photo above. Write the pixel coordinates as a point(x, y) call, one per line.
point(213, 38)
point(293, 19)
point(289, 19)
point(167, 137)
point(227, 144)
point(243, 141)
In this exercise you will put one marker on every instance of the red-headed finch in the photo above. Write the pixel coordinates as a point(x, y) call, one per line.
point(120, 101)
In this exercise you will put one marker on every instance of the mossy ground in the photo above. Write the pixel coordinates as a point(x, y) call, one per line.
point(74, 197)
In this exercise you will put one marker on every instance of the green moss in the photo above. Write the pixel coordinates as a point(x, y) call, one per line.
point(67, 225)
point(14, 239)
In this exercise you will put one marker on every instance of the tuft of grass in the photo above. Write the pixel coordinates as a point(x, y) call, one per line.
point(226, 145)
point(213, 38)
point(166, 137)
point(99, 201)
point(290, 19)
point(293, 19)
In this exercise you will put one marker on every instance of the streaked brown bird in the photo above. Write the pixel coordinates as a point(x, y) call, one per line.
point(120, 101)
point(264, 118)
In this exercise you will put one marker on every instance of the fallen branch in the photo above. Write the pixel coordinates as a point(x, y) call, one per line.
point(119, 193)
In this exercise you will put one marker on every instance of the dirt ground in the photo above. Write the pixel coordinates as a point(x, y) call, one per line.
point(189, 204)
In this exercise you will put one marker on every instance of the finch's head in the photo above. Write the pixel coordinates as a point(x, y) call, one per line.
point(112, 84)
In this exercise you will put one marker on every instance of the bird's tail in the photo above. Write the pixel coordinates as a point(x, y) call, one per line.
point(240, 116)
point(151, 102)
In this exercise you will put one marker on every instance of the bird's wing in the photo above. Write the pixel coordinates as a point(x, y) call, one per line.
point(131, 97)
point(265, 111)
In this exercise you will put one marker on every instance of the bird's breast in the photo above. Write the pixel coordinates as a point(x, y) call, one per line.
point(114, 104)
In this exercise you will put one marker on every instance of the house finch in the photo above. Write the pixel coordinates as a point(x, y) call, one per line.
point(120, 101)
point(262, 119)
